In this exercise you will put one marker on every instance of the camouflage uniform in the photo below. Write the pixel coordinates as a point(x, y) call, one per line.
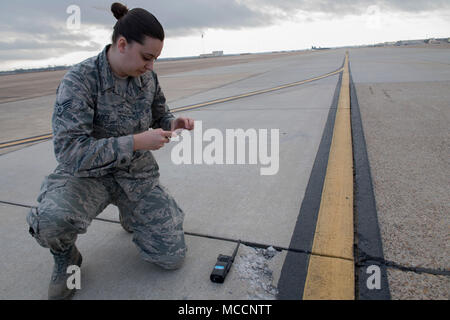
point(93, 125)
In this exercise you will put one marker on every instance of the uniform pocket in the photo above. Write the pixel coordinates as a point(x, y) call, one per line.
point(143, 110)
point(33, 220)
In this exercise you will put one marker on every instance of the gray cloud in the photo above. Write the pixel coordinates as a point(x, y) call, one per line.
point(28, 25)
point(37, 30)
point(184, 16)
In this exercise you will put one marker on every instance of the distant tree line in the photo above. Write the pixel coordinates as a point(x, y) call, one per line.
point(21, 70)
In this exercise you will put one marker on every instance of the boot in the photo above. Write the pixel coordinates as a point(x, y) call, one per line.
point(58, 284)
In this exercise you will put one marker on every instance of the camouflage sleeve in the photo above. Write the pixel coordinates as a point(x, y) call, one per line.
point(162, 117)
point(75, 148)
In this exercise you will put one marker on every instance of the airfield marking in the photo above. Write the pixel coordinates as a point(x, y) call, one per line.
point(26, 140)
point(330, 278)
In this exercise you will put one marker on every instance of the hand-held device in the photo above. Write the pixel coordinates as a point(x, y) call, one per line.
point(222, 266)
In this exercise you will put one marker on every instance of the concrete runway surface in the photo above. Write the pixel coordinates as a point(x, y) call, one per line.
point(403, 98)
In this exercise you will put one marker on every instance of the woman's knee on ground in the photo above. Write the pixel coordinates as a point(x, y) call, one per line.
point(167, 256)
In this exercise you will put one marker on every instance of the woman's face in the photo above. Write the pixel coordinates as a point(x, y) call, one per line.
point(139, 58)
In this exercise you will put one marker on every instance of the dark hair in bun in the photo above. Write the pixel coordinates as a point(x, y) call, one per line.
point(118, 10)
point(135, 24)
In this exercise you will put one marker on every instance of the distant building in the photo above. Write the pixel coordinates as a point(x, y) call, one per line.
point(212, 54)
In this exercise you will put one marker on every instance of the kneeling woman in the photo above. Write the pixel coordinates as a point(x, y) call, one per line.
point(104, 108)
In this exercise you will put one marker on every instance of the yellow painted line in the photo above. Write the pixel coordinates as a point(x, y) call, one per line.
point(203, 104)
point(333, 278)
point(23, 141)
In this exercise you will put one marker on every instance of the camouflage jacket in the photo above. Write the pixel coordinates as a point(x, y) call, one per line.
point(94, 122)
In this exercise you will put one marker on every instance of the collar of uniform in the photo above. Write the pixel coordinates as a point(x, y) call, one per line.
point(106, 74)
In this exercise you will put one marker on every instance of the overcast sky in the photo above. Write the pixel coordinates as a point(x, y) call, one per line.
point(37, 33)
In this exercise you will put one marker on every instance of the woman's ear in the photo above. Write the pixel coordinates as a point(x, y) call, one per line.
point(122, 44)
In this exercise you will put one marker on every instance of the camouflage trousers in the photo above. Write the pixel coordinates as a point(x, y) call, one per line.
point(68, 204)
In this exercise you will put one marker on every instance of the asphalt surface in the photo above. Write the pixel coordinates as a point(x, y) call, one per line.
point(403, 98)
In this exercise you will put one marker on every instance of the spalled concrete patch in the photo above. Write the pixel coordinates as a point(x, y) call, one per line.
point(254, 266)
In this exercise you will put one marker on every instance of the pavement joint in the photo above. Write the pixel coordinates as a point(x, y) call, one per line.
point(360, 262)
point(368, 260)
point(244, 242)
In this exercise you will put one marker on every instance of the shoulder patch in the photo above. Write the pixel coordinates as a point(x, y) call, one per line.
point(63, 106)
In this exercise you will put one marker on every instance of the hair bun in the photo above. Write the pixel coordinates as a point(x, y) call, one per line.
point(118, 10)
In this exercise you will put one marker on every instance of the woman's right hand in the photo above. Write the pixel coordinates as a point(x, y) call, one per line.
point(151, 139)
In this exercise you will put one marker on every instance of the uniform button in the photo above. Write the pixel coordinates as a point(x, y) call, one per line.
point(123, 161)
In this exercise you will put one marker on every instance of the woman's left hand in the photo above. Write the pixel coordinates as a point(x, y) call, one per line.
point(182, 123)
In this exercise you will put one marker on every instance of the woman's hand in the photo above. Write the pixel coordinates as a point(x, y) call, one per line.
point(182, 123)
point(151, 140)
